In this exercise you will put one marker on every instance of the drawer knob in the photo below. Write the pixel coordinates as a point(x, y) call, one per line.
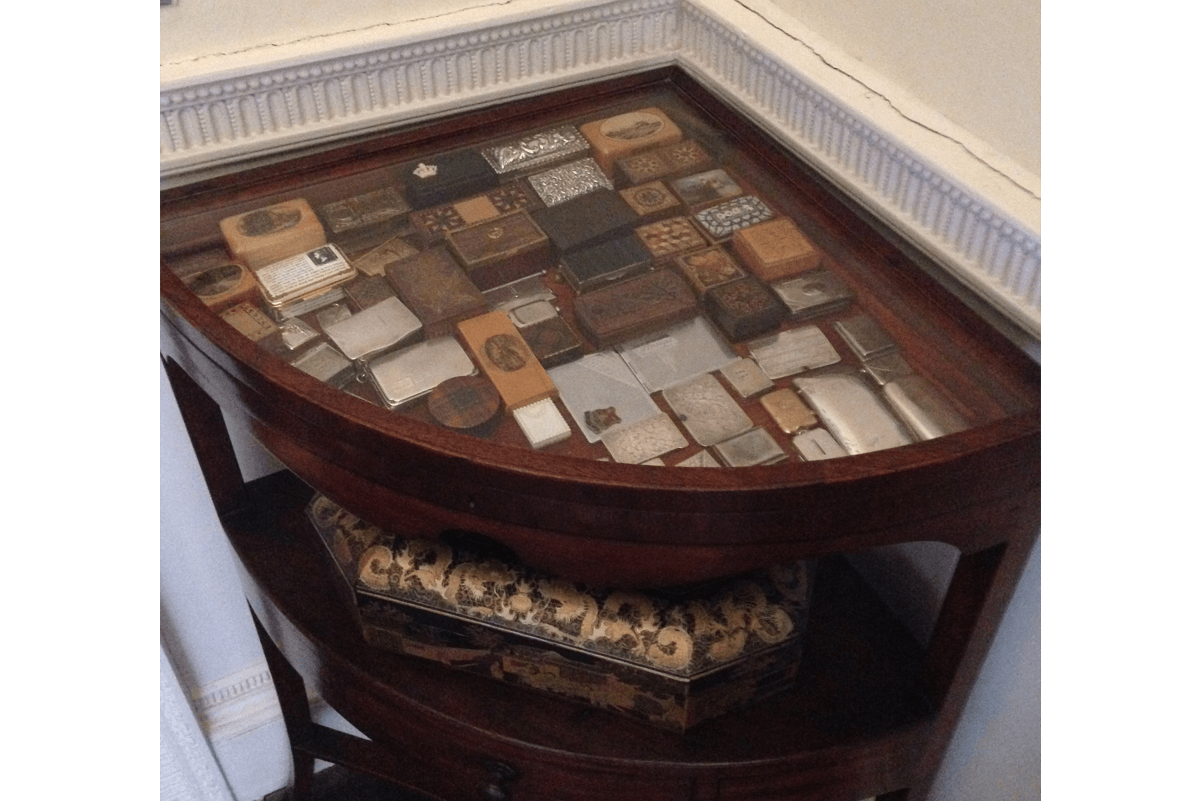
point(492, 787)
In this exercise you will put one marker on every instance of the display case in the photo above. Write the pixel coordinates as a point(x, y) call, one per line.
point(749, 371)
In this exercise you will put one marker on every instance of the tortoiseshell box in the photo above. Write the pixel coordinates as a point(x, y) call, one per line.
point(669, 659)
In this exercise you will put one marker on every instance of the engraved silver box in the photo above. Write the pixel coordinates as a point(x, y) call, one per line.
point(677, 355)
point(409, 373)
point(324, 363)
point(707, 411)
point(644, 440)
point(754, 447)
point(794, 351)
point(746, 377)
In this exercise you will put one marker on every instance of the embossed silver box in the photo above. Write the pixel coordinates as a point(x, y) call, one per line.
point(569, 181)
point(671, 660)
point(535, 150)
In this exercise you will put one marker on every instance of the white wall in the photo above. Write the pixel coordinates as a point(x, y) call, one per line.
point(977, 63)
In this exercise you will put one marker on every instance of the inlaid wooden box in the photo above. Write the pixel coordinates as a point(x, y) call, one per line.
point(499, 251)
point(670, 659)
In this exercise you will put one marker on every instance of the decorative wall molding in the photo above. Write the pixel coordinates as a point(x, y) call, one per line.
point(212, 123)
point(238, 703)
point(187, 769)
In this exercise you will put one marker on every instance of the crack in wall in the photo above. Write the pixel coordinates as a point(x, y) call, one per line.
point(319, 36)
point(872, 92)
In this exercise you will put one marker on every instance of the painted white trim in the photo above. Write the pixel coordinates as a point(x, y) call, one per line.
point(187, 769)
point(969, 208)
point(237, 704)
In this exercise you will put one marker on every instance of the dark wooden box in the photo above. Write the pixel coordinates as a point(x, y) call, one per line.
point(586, 220)
point(744, 308)
point(437, 290)
point(672, 659)
point(609, 261)
point(638, 306)
point(500, 251)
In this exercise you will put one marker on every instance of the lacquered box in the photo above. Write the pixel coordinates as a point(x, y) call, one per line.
point(605, 263)
point(444, 177)
point(585, 220)
point(500, 251)
point(638, 306)
point(670, 659)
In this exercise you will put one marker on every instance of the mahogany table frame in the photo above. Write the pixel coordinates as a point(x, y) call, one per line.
point(873, 714)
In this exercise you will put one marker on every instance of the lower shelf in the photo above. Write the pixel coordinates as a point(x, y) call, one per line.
point(854, 726)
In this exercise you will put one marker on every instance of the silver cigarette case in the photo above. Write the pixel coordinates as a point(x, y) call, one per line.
point(817, 444)
point(794, 351)
point(644, 440)
point(865, 336)
point(922, 408)
point(324, 363)
point(366, 334)
point(677, 354)
point(852, 412)
point(701, 459)
point(886, 368)
point(813, 293)
point(602, 393)
point(409, 373)
point(707, 411)
point(519, 293)
point(747, 378)
point(754, 447)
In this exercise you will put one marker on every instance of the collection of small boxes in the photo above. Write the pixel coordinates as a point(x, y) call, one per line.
point(468, 280)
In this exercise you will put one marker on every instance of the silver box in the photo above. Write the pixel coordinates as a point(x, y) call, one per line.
point(852, 412)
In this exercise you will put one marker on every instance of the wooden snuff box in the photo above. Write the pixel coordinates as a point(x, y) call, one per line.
point(775, 250)
point(499, 251)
